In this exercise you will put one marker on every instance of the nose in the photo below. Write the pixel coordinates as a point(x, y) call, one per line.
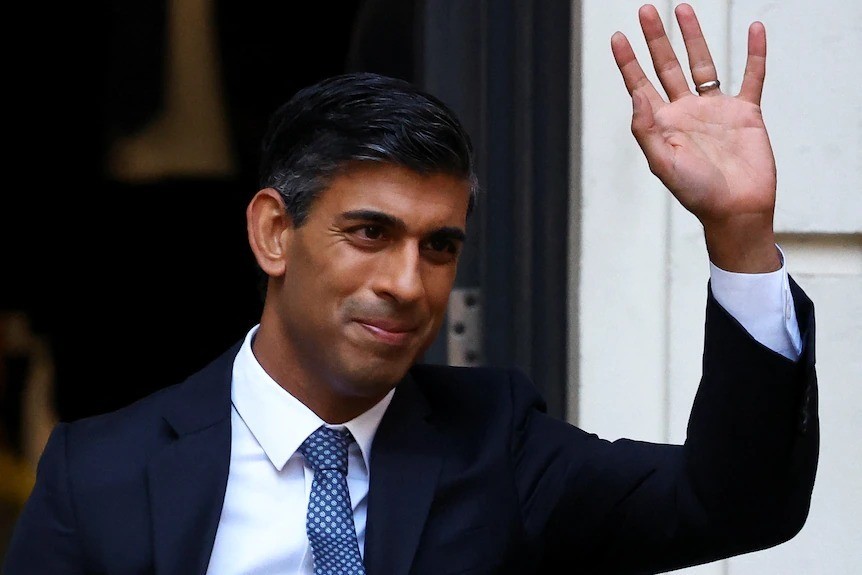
point(399, 274)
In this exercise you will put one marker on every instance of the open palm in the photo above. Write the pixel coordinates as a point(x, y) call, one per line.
point(713, 154)
point(711, 150)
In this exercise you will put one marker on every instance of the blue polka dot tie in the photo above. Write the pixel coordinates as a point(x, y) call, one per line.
point(329, 522)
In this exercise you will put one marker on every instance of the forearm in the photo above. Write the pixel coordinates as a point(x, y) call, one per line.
point(752, 440)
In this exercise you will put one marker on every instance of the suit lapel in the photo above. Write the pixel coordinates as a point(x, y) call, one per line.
point(187, 479)
point(405, 463)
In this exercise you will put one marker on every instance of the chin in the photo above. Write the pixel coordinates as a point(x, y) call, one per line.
point(376, 377)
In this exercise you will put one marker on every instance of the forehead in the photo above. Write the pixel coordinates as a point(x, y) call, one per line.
point(418, 199)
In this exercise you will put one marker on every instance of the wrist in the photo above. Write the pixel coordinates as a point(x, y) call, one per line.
point(743, 246)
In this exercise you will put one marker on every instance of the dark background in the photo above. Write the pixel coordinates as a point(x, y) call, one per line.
point(135, 286)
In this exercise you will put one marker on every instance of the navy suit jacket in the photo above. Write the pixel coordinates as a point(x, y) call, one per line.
point(468, 475)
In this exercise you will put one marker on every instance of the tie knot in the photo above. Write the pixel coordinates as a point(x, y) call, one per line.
point(326, 448)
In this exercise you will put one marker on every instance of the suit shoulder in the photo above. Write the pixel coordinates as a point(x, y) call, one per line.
point(148, 421)
point(130, 416)
point(121, 439)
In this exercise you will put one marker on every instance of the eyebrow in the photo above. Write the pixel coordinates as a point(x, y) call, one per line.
point(382, 218)
point(374, 216)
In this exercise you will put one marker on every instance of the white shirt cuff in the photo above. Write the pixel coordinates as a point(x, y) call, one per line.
point(762, 304)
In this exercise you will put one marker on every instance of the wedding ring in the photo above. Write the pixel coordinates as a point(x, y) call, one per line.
point(707, 86)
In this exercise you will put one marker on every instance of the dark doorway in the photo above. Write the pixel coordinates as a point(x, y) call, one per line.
point(136, 284)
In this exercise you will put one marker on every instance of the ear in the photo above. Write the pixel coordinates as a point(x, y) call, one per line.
point(270, 229)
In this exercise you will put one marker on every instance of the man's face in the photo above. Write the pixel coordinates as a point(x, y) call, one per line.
point(367, 280)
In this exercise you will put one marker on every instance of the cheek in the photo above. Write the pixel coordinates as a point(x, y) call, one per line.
point(438, 286)
point(338, 275)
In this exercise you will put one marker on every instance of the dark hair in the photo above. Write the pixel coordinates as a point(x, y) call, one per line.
point(359, 117)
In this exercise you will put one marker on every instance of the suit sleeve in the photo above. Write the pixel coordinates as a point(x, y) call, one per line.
point(45, 538)
point(741, 482)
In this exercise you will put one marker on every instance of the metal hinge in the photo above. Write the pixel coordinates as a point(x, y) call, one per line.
point(464, 327)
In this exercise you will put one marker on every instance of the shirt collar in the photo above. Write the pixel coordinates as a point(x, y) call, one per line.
point(279, 421)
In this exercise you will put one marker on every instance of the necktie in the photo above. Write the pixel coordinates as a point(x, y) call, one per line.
point(329, 521)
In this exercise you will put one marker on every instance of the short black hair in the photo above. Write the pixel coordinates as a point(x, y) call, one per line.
point(359, 117)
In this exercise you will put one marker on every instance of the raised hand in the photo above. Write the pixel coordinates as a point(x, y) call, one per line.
point(711, 150)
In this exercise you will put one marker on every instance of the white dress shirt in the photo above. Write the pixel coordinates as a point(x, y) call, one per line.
point(262, 526)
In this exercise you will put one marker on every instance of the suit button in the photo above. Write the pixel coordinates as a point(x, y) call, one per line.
point(805, 415)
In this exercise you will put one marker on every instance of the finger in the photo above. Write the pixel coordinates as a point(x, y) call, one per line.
point(664, 59)
point(755, 66)
point(633, 75)
point(699, 59)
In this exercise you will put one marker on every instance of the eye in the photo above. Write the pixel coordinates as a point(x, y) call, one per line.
point(442, 245)
point(369, 236)
point(371, 232)
point(441, 249)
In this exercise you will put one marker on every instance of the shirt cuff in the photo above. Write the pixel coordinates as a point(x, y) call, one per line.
point(762, 304)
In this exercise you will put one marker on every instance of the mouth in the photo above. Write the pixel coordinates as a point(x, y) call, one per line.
point(389, 332)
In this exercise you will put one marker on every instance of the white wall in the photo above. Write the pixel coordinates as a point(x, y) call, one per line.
point(643, 265)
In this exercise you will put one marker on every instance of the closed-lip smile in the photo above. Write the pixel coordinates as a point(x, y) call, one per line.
point(388, 331)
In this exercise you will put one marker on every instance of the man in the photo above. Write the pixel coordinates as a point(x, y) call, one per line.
point(319, 444)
